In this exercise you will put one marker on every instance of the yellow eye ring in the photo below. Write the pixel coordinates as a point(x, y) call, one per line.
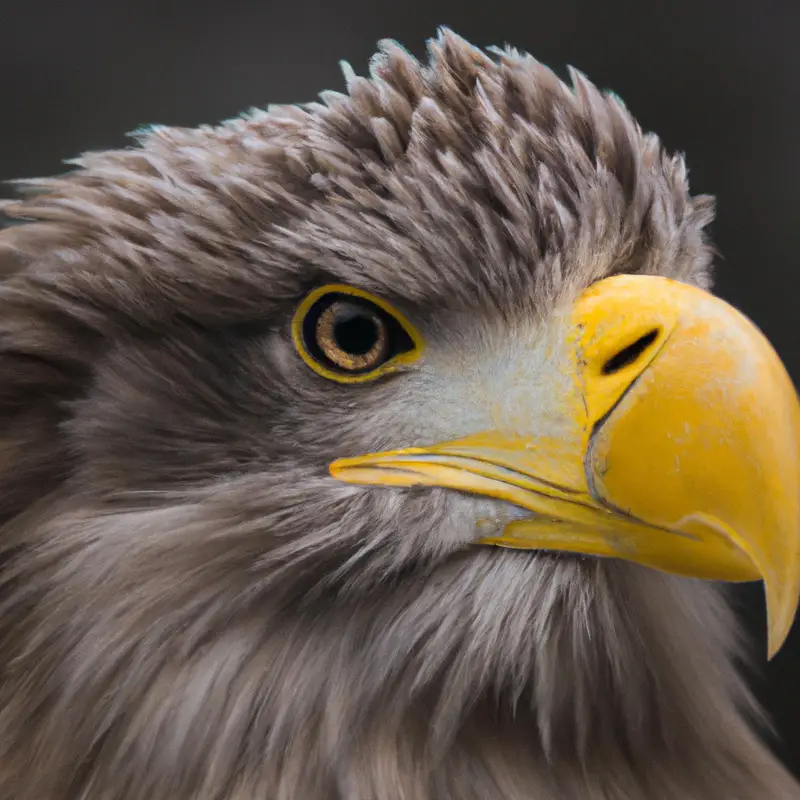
point(348, 335)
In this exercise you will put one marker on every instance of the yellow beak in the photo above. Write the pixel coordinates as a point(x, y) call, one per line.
point(682, 453)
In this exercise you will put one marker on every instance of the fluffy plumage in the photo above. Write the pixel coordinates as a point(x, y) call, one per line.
point(190, 607)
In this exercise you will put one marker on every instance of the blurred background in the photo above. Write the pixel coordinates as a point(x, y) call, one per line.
point(717, 79)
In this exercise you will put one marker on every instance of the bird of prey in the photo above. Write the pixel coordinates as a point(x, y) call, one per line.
point(388, 447)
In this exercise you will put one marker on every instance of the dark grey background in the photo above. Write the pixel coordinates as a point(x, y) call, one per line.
point(718, 80)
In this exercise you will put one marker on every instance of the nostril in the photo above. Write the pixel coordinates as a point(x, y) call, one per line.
point(629, 354)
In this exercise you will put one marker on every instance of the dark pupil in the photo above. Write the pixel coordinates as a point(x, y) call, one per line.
point(355, 333)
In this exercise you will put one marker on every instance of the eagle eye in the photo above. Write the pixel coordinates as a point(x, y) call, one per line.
point(350, 336)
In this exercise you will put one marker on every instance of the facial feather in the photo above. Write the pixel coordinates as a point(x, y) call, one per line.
point(191, 607)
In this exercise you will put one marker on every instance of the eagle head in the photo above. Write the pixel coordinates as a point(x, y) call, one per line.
point(388, 446)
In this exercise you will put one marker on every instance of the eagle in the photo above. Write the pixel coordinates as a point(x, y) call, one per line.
point(391, 446)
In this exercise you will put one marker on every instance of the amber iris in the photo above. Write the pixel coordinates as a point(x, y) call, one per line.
point(348, 335)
